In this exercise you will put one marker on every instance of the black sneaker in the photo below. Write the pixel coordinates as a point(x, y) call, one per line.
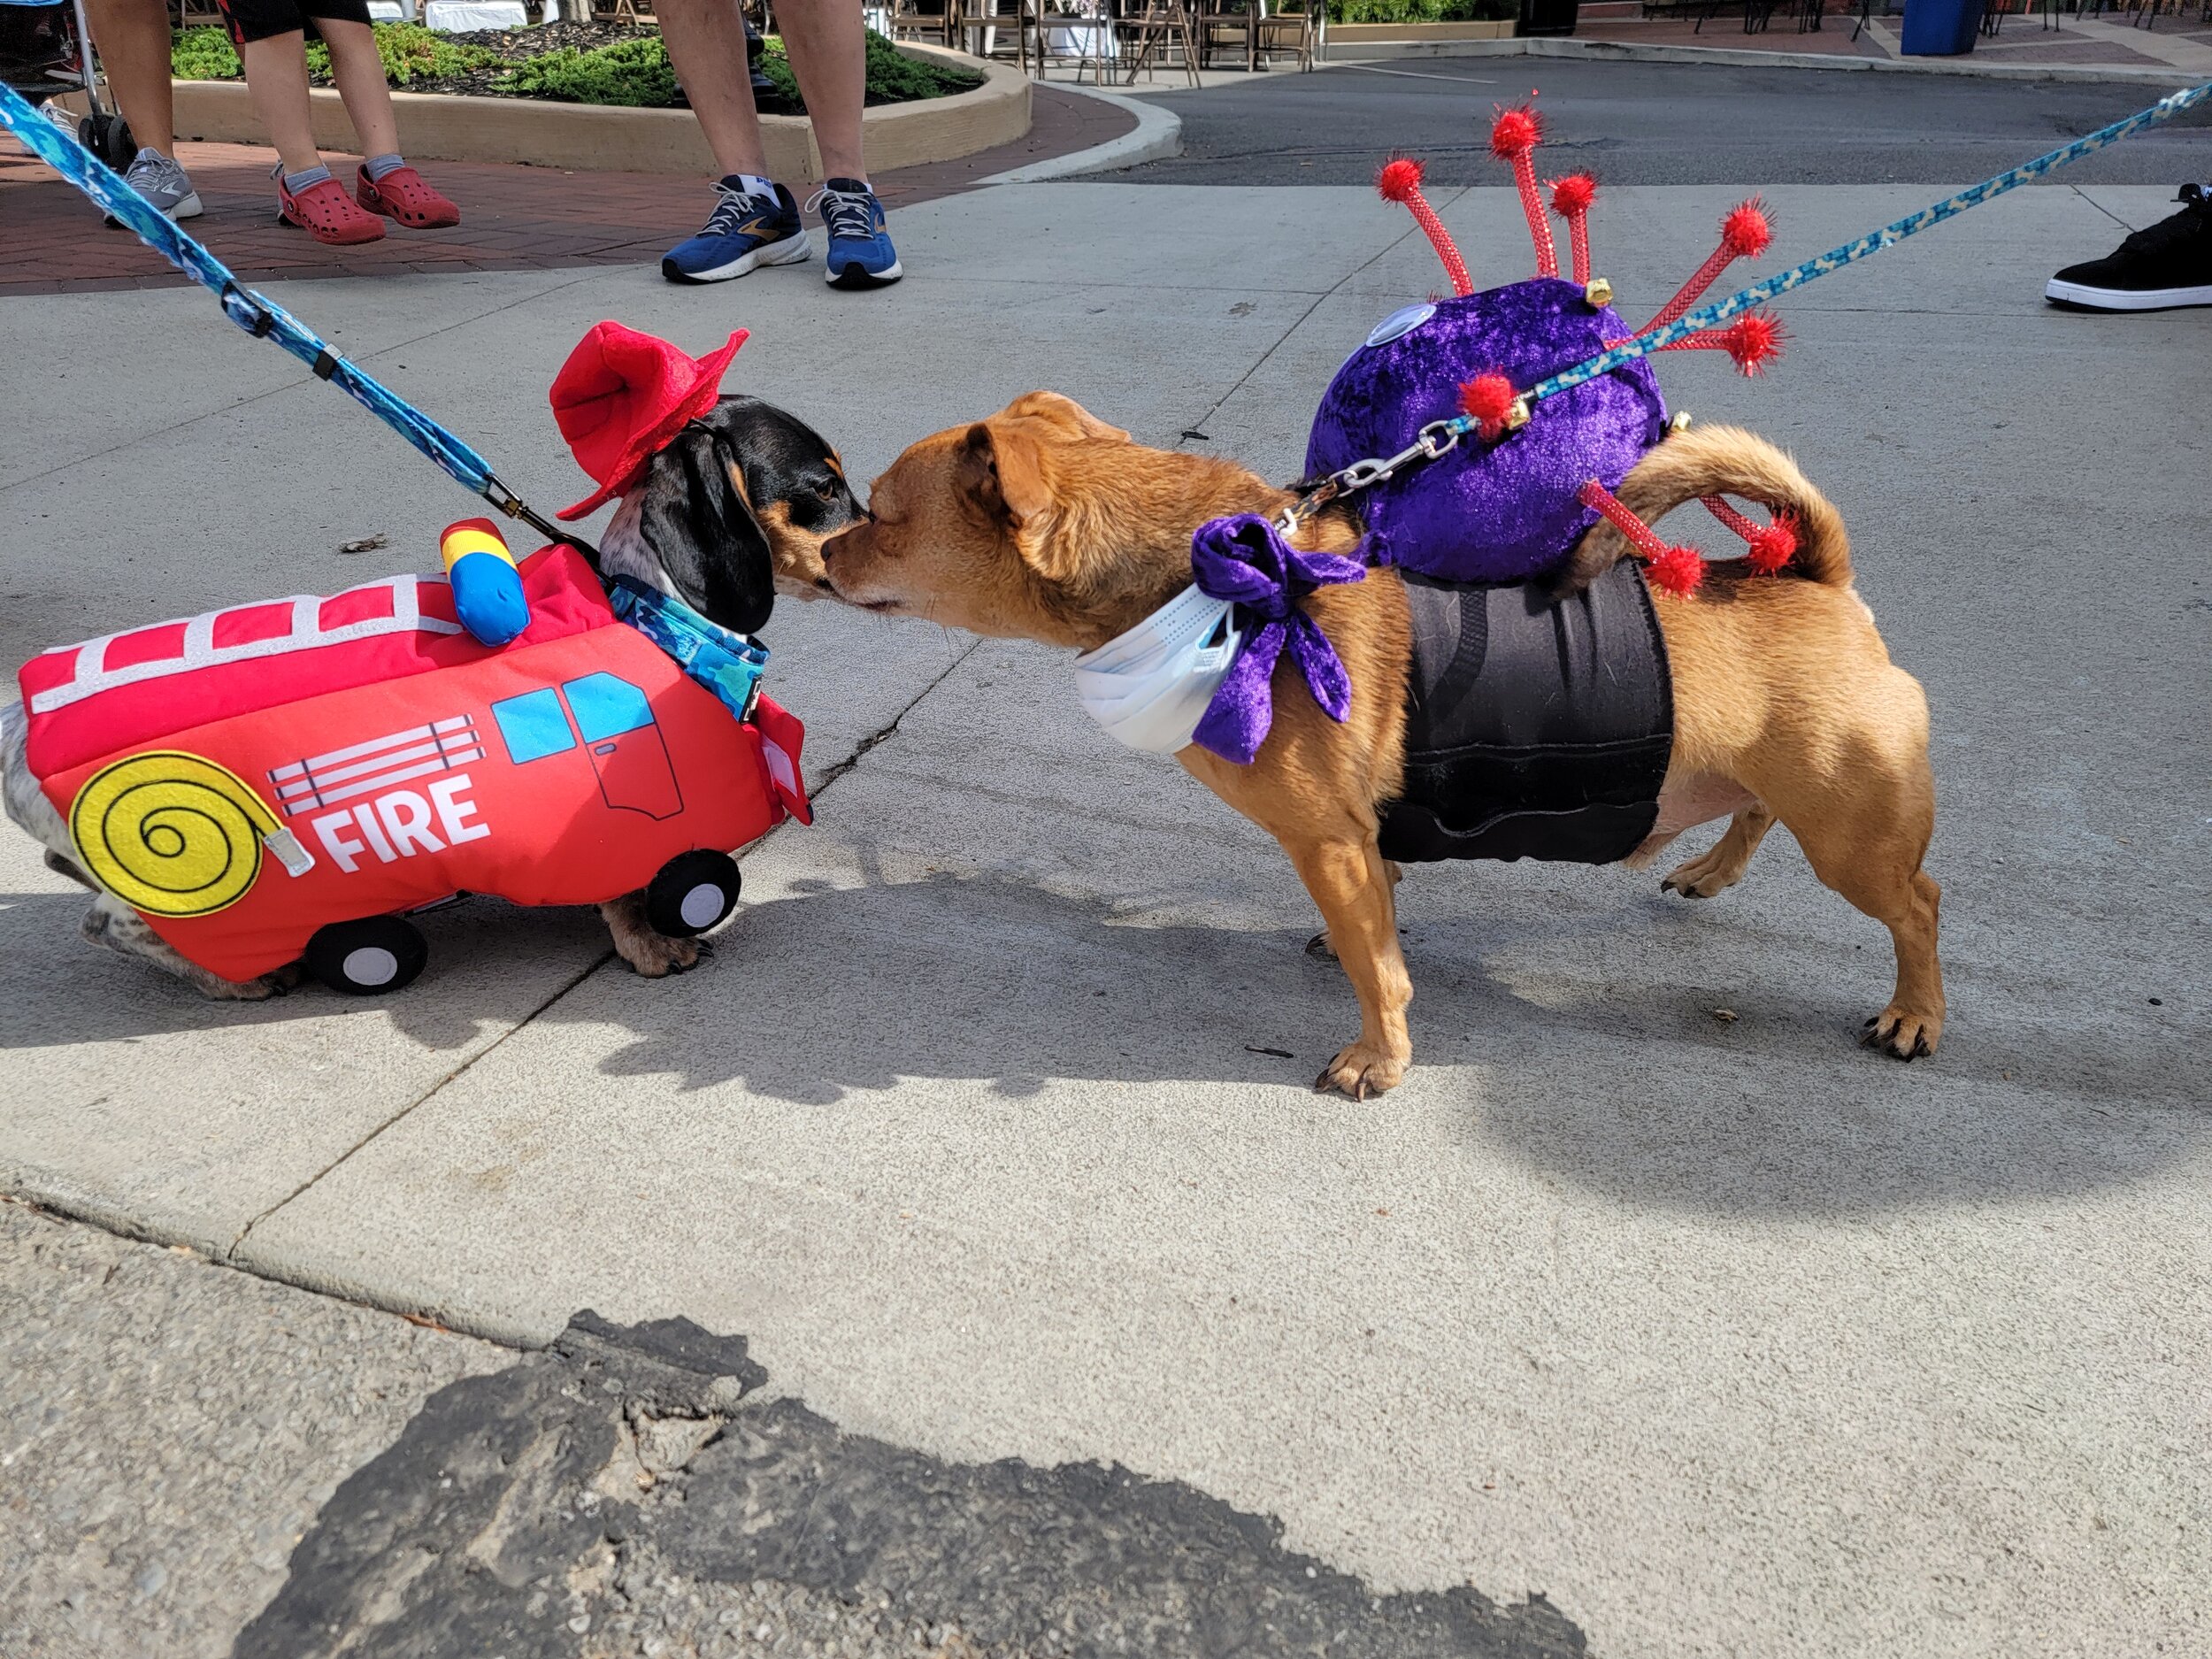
point(2159, 266)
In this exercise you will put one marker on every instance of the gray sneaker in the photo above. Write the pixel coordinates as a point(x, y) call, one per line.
point(163, 182)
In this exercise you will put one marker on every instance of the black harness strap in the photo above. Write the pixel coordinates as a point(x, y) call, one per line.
point(1533, 730)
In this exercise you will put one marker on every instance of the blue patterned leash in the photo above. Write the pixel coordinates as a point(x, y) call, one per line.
point(1439, 437)
point(1851, 252)
point(264, 319)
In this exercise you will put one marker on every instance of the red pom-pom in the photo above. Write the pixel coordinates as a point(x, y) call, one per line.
point(1487, 398)
point(1676, 570)
point(1573, 195)
point(1755, 339)
point(1398, 180)
point(1514, 133)
point(1746, 232)
point(1773, 545)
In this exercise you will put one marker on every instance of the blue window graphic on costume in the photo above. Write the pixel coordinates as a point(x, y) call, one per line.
point(533, 726)
point(627, 752)
point(605, 706)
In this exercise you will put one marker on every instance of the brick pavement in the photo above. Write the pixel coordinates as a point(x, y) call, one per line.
point(515, 217)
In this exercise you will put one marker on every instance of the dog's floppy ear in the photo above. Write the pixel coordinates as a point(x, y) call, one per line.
point(1066, 413)
point(1002, 482)
point(701, 530)
point(1001, 474)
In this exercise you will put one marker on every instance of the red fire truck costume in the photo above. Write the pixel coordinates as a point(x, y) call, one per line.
point(249, 778)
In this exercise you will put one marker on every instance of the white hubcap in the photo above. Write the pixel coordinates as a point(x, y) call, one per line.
point(703, 906)
point(371, 964)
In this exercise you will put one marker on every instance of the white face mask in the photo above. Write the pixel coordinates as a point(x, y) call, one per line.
point(1150, 688)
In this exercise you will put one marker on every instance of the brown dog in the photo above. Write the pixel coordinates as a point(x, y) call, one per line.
point(1044, 523)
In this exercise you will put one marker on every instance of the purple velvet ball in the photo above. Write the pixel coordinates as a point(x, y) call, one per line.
point(1487, 512)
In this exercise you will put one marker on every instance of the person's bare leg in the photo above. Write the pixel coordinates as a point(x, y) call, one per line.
point(359, 74)
point(276, 76)
point(706, 44)
point(133, 39)
point(829, 58)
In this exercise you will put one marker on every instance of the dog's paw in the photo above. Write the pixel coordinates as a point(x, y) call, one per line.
point(1362, 1069)
point(657, 956)
point(1703, 877)
point(217, 989)
point(1902, 1034)
point(1320, 947)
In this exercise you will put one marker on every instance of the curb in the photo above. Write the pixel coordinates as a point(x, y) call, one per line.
point(1618, 51)
point(1158, 132)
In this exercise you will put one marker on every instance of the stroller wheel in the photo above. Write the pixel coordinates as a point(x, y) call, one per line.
point(107, 137)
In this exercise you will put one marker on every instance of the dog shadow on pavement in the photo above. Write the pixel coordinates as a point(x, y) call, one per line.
point(1631, 1046)
point(1608, 1062)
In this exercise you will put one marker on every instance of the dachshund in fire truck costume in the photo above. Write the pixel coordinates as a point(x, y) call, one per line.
point(274, 784)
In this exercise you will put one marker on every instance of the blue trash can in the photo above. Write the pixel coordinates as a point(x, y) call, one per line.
point(1940, 28)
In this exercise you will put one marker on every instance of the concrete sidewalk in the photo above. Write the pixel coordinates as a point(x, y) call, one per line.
point(988, 1124)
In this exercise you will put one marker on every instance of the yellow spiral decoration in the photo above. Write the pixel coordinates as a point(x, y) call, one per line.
point(171, 833)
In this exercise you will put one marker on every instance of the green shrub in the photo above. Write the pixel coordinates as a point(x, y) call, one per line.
point(1422, 11)
point(893, 75)
point(410, 53)
point(635, 73)
point(204, 54)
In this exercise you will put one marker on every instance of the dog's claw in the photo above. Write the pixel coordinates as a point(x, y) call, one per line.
point(1360, 1074)
point(1901, 1034)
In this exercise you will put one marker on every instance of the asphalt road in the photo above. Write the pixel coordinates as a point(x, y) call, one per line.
point(1664, 124)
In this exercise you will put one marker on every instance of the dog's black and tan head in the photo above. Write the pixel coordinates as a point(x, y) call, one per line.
point(734, 511)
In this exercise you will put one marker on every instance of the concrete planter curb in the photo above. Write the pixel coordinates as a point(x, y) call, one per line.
point(1158, 132)
point(1351, 34)
point(600, 138)
point(1625, 52)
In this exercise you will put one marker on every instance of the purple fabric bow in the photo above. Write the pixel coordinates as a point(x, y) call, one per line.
point(1243, 559)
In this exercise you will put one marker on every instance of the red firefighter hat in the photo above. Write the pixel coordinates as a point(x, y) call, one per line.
point(622, 395)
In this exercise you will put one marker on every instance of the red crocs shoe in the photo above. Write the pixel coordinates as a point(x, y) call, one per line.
point(324, 212)
point(406, 195)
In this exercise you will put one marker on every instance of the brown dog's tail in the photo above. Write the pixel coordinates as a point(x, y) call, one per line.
point(1719, 461)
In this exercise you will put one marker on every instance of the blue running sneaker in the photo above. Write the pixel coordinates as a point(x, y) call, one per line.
point(746, 229)
point(860, 251)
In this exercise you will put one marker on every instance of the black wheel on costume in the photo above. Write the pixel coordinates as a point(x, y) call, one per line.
point(692, 893)
point(367, 957)
point(107, 137)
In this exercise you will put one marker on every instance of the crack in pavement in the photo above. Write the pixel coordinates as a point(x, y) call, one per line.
point(589, 968)
point(829, 779)
point(1298, 322)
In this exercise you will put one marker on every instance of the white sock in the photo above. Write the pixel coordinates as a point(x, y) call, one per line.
point(753, 184)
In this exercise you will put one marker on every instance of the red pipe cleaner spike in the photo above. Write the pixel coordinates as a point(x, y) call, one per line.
point(1671, 569)
point(1768, 546)
point(1744, 235)
point(1399, 181)
point(1570, 199)
point(1514, 136)
point(1676, 570)
point(1755, 339)
point(1488, 398)
point(1752, 340)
